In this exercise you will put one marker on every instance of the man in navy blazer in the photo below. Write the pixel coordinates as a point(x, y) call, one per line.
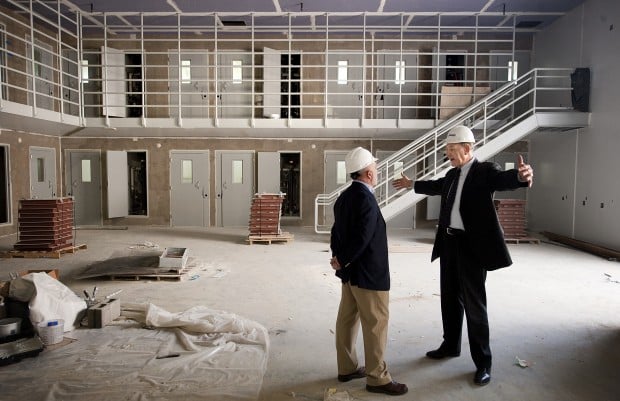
point(360, 258)
point(469, 242)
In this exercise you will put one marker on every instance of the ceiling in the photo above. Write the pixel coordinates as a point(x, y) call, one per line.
point(529, 14)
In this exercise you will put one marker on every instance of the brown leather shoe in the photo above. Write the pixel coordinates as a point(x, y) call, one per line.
point(358, 374)
point(392, 388)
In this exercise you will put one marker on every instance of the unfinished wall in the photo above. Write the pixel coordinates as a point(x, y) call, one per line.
point(19, 144)
point(589, 36)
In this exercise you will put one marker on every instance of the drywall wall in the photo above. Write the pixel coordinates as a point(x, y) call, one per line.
point(589, 36)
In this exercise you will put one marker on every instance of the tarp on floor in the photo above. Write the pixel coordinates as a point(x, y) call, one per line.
point(198, 354)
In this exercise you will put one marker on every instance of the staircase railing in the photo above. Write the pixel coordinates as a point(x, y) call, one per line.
point(539, 90)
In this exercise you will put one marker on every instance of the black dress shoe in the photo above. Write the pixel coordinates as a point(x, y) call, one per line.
point(358, 374)
point(392, 388)
point(482, 376)
point(441, 353)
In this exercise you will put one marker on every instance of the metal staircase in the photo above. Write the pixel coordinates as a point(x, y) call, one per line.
point(540, 99)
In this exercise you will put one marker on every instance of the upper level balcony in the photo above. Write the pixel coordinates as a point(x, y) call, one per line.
point(252, 74)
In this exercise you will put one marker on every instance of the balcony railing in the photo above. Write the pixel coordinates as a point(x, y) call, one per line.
point(358, 67)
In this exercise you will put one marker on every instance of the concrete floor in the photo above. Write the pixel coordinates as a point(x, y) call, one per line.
point(555, 308)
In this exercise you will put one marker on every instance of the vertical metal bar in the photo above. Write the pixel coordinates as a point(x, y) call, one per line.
point(326, 70)
point(80, 56)
point(374, 87)
point(142, 70)
point(179, 71)
point(216, 70)
point(535, 87)
point(33, 63)
point(290, 60)
point(514, 91)
point(401, 69)
point(438, 55)
point(60, 70)
point(252, 83)
point(363, 72)
point(104, 65)
point(475, 83)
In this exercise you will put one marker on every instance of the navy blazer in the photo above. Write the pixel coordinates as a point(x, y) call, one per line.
point(482, 228)
point(359, 239)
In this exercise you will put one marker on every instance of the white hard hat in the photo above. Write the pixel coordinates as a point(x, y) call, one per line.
point(460, 134)
point(358, 159)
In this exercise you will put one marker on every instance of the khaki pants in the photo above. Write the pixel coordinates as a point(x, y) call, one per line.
point(371, 308)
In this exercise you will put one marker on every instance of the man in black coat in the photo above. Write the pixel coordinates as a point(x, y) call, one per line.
point(360, 258)
point(469, 242)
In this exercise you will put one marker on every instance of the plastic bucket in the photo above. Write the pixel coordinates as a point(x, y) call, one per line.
point(51, 331)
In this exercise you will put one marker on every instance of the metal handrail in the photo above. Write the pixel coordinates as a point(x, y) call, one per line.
point(489, 117)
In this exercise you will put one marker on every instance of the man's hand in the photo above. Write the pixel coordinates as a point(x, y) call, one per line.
point(335, 264)
point(403, 182)
point(526, 174)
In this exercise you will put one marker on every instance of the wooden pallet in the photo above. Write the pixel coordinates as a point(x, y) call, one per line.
point(172, 275)
point(53, 254)
point(283, 237)
point(522, 240)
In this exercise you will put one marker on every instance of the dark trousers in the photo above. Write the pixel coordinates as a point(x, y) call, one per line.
point(462, 289)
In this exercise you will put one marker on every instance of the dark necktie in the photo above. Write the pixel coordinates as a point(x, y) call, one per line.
point(444, 215)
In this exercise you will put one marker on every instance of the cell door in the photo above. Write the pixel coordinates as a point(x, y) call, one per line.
point(42, 173)
point(235, 185)
point(84, 184)
point(194, 80)
point(234, 81)
point(113, 79)
point(335, 177)
point(189, 188)
point(345, 85)
point(396, 86)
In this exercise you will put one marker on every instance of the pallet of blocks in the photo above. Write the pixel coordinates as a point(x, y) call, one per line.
point(511, 214)
point(45, 228)
point(265, 219)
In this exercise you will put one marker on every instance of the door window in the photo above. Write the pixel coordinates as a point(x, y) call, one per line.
point(40, 169)
point(186, 172)
point(86, 171)
point(237, 171)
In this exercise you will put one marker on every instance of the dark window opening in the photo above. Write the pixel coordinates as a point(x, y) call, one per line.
point(136, 167)
point(5, 198)
point(290, 183)
point(133, 70)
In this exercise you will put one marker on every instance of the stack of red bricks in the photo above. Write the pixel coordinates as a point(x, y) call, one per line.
point(45, 224)
point(265, 214)
point(511, 213)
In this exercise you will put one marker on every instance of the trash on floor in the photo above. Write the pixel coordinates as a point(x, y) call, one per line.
point(145, 245)
point(332, 394)
point(521, 362)
point(611, 278)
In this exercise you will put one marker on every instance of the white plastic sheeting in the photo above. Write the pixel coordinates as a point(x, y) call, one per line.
point(221, 356)
point(48, 299)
